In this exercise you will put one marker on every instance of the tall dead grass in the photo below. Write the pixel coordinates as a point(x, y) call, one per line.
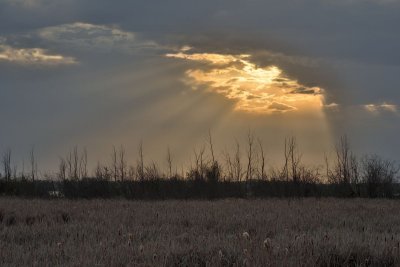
point(275, 232)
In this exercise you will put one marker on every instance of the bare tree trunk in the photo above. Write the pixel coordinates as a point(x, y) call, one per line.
point(69, 165)
point(83, 164)
point(33, 163)
point(295, 158)
point(6, 160)
point(262, 171)
point(62, 168)
point(199, 162)
point(250, 142)
point(75, 161)
point(114, 166)
point(122, 163)
point(169, 162)
point(140, 163)
point(237, 163)
point(229, 166)
point(211, 146)
point(286, 167)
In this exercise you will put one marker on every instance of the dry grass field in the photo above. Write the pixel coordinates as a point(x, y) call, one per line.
point(275, 232)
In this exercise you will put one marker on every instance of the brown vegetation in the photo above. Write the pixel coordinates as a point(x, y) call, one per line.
point(305, 232)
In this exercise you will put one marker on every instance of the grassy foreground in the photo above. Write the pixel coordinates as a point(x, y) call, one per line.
point(275, 232)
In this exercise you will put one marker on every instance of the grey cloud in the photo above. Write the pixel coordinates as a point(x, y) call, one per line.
point(306, 91)
point(94, 37)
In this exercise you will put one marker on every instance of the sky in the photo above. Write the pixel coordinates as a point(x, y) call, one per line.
point(99, 74)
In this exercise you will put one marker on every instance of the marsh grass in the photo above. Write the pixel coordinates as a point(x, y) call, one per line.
point(279, 232)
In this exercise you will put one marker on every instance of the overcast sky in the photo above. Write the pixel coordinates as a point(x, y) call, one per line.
point(99, 73)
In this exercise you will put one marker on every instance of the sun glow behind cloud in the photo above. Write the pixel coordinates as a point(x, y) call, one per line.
point(264, 90)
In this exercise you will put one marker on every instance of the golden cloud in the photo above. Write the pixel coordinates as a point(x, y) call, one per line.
point(255, 89)
point(29, 56)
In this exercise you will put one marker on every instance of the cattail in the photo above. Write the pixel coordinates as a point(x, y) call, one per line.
point(246, 235)
point(220, 254)
point(267, 243)
point(141, 248)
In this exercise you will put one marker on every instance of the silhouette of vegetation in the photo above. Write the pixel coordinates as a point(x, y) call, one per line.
point(237, 175)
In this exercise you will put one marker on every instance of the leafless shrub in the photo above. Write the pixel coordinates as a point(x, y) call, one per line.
point(151, 172)
point(378, 174)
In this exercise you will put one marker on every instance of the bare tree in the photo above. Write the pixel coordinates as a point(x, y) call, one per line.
point(262, 160)
point(355, 174)
point(122, 163)
point(169, 162)
point(295, 159)
point(6, 160)
point(140, 162)
point(250, 143)
point(199, 162)
point(69, 165)
point(33, 163)
point(342, 168)
point(211, 146)
point(131, 172)
point(328, 170)
point(98, 171)
point(15, 171)
point(292, 160)
point(83, 164)
point(114, 164)
point(72, 162)
point(75, 163)
point(285, 170)
point(23, 170)
point(229, 165)
point(237, 164)
point(62, 169)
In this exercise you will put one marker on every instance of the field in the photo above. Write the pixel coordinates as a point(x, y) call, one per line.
point(274, 232)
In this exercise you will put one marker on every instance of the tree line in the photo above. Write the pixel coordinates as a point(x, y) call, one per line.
point(241, 172)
